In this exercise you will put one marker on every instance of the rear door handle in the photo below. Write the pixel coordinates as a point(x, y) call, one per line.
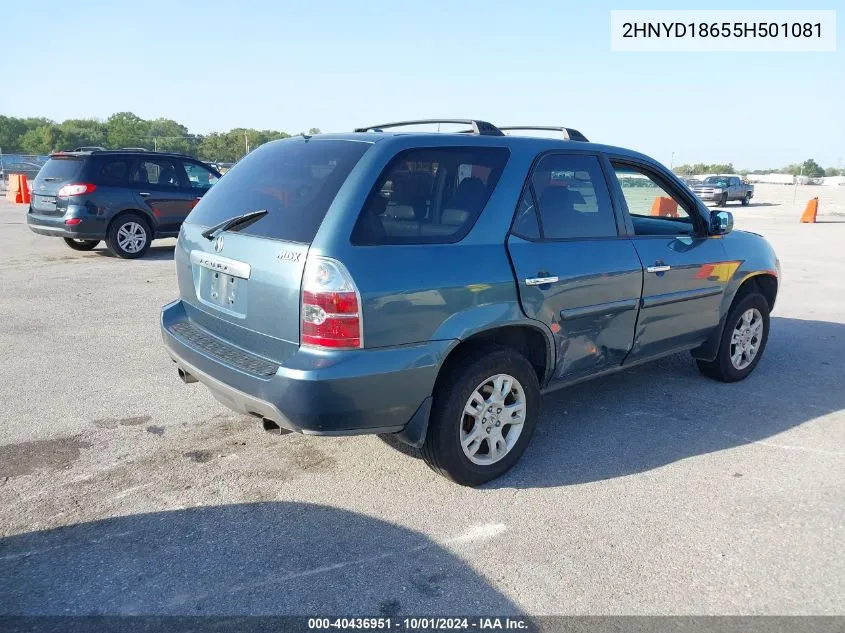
point(540, 281)
point(144, 193)
point(658, 269)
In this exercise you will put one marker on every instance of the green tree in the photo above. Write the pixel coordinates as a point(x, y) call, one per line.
point(126, 129)
point(832, 171)
point(812, 169)
point(40, 140)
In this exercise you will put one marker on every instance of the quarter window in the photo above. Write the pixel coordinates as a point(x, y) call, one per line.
point(525, 224)
point(430, 196)
point(572, 197)
point(653, 210)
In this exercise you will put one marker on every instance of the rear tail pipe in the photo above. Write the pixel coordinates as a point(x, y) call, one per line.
point(185, 376)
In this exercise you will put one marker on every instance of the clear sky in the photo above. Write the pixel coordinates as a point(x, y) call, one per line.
point(330, 64)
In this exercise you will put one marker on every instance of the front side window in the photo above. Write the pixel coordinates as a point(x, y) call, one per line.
point(430, 196)
point(164, 173)
point(199, 176)
point(572, 197)
point(653, 210)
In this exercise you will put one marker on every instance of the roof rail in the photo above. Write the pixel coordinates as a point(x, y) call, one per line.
point(482, 128)
point(569, 134)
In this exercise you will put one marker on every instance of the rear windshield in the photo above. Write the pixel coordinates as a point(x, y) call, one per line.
point(295, 180)
point(61, 169)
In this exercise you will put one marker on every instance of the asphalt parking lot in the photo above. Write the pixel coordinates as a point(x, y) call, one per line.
point(124, 491)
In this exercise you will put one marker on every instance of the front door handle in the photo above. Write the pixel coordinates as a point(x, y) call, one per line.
point(143, 194)
point(661, 268)
point(540, 281)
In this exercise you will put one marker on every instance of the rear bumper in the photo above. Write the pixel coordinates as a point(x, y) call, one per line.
point(315, 392)
point(89, 228)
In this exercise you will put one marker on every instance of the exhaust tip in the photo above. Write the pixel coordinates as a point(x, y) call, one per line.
point(272, 427)
point(185, 376)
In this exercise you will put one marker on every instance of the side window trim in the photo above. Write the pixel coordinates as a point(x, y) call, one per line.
point(621, 228)
point(653, 172)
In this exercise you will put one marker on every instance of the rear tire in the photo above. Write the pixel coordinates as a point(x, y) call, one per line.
point(743, 341)
point(501, 388)
point(746, 199)
point(129, 236)
point(81, 245)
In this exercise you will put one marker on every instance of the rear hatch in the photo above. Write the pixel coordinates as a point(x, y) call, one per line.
point(60, 170)
point(243, 284)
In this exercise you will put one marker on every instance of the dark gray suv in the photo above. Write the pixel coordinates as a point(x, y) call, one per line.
point(432, 286)
point(125, 197)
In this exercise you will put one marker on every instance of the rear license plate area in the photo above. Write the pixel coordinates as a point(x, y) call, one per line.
point(222, 291)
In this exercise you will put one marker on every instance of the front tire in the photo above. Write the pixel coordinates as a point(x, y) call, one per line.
point(743, 341)
point(81, 245)
point(723, 201)
point(129, 236)
point(484, 414)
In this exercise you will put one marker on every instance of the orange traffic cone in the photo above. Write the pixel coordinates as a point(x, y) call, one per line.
point(810, 212)
point(664, 207)
point(24, 190)
point(13, 193)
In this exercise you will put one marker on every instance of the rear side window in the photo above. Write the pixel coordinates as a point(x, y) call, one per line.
point(294, 180)
point(430, 195)
point(572, 197)
point(160, 172)
point(113, 171)
point(61, 169)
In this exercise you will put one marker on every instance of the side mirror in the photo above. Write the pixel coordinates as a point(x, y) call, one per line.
point(721, 222)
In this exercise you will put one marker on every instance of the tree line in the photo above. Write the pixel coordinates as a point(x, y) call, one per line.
point(809, 168)
point(35, 135)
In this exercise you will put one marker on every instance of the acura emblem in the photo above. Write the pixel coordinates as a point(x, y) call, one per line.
point(218, 244)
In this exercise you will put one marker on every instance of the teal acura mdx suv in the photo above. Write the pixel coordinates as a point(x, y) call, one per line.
point(433, 285)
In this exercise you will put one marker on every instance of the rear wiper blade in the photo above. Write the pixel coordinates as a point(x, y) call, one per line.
point(232, 223)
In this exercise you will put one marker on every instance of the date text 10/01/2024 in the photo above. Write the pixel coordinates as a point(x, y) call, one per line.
point(418, 623)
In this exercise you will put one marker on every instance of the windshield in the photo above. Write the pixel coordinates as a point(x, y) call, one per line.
point(719, 181)
point(294, 180)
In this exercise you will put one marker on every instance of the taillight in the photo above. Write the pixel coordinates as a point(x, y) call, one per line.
point(73, 221)
point(76, 189)
point(331, 308)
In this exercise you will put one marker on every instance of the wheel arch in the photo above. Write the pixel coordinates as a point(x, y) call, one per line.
point(764, 282)
point(527, 337)
point(150, 219)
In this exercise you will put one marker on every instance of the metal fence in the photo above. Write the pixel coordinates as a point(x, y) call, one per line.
point(26, 164)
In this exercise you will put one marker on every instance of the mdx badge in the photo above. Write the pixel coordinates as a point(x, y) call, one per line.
point(289, 256)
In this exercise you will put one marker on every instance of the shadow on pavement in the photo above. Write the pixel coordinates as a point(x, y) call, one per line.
point(156, 253)
point(258, 558)
point(663, 412)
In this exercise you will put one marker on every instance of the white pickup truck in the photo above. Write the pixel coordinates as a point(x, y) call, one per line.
point(723, 189)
